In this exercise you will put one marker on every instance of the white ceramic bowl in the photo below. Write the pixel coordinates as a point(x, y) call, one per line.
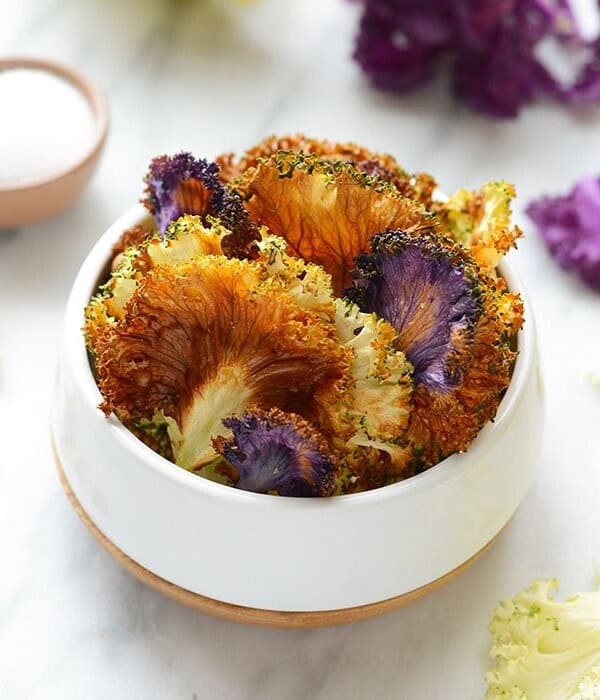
point(288, 554)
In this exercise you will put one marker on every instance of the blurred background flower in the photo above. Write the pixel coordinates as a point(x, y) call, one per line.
point(501, 54)
point(570, 226)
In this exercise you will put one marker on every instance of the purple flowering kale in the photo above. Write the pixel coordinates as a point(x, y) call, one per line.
point(277, 452)
point(426, 289)
point(491, 46)
point(399, 41)
point(570, 226)
point(181, 184)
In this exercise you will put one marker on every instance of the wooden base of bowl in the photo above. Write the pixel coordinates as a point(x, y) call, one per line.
point(255, 616)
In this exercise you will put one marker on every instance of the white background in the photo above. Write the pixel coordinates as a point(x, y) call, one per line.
point(187, 75)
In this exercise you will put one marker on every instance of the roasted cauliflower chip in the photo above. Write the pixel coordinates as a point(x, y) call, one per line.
point(446, 317)
point(379, 404)
point(326, 212)
point(181, 184)
point(198, 343)
point(480, 221)
point(184, 239)
point(279, 453)
point(419, 187)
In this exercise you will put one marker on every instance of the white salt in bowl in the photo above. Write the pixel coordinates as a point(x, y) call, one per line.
point(286, 561)
point(41, 198)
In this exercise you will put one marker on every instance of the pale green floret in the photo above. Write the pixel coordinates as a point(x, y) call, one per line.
point(589, 687)
point(380, 400)
point(546, 649)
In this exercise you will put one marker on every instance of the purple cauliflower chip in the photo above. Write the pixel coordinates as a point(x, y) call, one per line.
point(426, 289)
point(277, 452)
point(181, 184)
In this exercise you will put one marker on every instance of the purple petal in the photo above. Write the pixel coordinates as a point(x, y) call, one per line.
point(570, 226)
point(278, 452)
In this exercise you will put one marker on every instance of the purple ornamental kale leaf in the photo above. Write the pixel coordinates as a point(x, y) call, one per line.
point(570, 227)
point(419, 286)
point(491, 47)
point(398, 43)
point(181, 184)
point(278, 452)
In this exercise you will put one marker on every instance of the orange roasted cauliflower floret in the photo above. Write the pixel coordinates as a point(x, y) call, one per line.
point(326, 212)
point(198, 343)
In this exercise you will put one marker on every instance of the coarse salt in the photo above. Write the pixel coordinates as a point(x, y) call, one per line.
point(46, 126)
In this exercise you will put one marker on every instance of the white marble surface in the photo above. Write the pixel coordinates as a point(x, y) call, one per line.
point(184, 75)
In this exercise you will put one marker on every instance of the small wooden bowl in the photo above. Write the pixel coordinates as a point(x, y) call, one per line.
point(41, 199)
point(289, 562)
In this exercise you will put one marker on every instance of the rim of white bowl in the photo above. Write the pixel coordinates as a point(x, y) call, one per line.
point(86, 284)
